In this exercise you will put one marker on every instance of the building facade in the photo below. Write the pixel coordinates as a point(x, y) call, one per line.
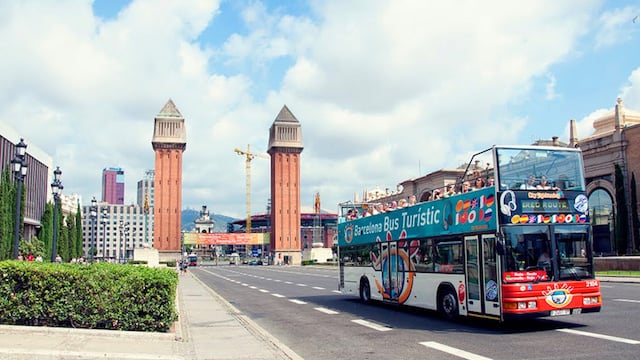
point(36, 183)
point(113, 186)
point(285, 146)
point(169, 142)
point(116, 231)
point(615, 143)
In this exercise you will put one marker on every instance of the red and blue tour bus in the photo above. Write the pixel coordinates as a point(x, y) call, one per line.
point(519, 248)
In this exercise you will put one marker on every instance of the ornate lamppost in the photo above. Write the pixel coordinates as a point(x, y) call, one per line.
point(104, 219)
point(20, 172)
point(56, 188)
point(93, 216)
point(124, 230)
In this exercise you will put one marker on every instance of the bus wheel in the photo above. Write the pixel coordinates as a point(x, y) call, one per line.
point(448, 305)
point(365, 291)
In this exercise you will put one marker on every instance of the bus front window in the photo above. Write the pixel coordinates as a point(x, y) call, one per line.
point(528, 249)
point(574, 252)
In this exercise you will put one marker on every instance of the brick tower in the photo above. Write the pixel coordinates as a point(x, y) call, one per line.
point(169, 142)
point(285, 146)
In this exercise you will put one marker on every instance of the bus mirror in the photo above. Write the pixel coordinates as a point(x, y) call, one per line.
point(500, 247)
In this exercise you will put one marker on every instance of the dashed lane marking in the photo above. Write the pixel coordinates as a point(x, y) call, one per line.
point(453, 351)
point(628, 300)
point(301, 284)
point(296, 301)
point(372, 325)
point(318, 288)
point(278, 295)
point(326, 311)
point(601, 336)
point(264, 291)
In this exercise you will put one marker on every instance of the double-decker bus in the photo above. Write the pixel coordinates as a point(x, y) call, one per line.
point(519, 248)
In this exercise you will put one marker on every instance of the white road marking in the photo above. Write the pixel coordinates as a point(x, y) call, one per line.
point(278, 295)
point(600, 336)
point(264, 291)
point(296, 301)
point(453, 351)
point(243, 284)
point(336, 291)
point(253, 287)
point(628, 300)
point(326, 311)
point(371, 325)
point(288, 282)
point(318, 288)
point(301, 284)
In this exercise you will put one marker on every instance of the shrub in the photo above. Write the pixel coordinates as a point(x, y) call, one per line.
point(99, 296)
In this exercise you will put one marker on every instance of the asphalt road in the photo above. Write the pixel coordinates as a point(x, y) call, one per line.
point(302, 308)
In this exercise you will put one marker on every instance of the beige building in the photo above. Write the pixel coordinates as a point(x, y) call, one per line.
point(616, 141)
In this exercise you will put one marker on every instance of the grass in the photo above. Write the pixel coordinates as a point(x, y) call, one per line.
point(618, 273)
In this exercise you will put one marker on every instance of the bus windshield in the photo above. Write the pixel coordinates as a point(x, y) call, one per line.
point(531, 249)
point(530, 168)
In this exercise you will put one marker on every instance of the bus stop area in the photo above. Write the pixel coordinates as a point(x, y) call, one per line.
point(208, 328)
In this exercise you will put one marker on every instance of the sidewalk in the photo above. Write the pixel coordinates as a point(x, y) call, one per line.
point(208, 328)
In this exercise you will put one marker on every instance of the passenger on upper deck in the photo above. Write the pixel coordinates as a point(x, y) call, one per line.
point(436, 194)
point(449, 190)
point(478, 183)
point(466, 187)
point(412, 200)
point(544, 184)
point(490, 182)
point(402, 203)
point(530, 184)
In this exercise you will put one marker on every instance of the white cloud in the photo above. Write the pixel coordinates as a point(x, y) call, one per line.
point(381, 88)
point(551, 87)
point(615, 26)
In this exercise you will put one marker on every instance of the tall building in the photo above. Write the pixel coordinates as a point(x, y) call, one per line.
point(169, 142)
point(113, 186)
point(285, 146)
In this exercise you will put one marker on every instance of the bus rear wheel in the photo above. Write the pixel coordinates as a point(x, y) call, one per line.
point(448, 305)
point(365, 291)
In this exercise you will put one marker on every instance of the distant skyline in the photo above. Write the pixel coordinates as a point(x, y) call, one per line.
point(384, 90)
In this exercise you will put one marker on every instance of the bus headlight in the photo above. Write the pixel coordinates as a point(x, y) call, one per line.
point(532, 305)
point(590, 300)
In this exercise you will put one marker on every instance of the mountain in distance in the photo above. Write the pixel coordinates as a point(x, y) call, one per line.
point(190, 215)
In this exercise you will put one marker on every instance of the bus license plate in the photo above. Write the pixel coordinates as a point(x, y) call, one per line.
point(560, 312)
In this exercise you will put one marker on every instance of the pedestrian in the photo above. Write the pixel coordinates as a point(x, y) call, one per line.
point(58, 259)
point(39, 258)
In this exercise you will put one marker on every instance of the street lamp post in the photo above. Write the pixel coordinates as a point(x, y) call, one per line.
point(93, 215)
point(124, 230)
point(103, 220)
point(56, 188)
point(20, 171)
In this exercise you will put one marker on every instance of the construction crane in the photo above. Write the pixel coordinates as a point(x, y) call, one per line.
point(249, 156)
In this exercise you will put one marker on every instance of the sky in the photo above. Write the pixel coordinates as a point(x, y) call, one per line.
point(385, 91)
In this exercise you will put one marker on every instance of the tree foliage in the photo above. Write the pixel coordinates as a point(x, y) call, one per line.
point(621, 223)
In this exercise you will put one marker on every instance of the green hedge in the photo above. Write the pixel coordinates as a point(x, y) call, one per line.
point(97, 296)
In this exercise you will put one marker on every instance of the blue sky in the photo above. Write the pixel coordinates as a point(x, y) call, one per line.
point(384, 90)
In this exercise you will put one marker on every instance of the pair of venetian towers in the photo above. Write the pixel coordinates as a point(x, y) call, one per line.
point(285, 145)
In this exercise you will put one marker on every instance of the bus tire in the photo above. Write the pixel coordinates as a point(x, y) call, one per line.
point(448, 304)
point(365, 291)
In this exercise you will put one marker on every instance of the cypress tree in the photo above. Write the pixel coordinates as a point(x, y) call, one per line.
point(46, 232)
point(634, 212)
point(621, 212)
point(78, 219)
point(7, 213)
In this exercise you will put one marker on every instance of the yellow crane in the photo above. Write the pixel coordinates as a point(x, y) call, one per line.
point(248, 157)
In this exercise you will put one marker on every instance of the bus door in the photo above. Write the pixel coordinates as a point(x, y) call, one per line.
point(472, 266)
point(391, 277)
point(490, 279)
